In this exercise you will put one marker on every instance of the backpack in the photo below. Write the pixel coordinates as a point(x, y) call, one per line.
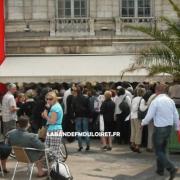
point(124, 107)
point(60, 171)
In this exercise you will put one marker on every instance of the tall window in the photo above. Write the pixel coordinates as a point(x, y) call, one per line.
point(144, 8)
point(128, 9)
point(64, 8)
point(72, 8)
point(136, 8)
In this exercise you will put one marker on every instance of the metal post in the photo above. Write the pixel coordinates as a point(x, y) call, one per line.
point(15, 170)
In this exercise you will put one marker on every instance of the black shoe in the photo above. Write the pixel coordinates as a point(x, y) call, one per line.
point(109, 148)
point(4, 170)
point(160, 173)
point(173, 174)
point(137, 150)
point(132, 148)
point(104, 148)
point(87, 148)
point(80, 149)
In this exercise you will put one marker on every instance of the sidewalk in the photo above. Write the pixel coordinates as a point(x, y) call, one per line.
point(118, 164)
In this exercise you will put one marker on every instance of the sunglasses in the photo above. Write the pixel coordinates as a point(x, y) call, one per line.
point(49, 99)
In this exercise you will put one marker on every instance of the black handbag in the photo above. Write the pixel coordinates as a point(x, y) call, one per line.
point(141, 114)
point(60, 171)
point(124, 107)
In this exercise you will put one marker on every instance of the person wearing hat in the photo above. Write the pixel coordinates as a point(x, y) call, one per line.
point(9, 109)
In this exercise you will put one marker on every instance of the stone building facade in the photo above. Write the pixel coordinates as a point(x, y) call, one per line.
point(81, 26)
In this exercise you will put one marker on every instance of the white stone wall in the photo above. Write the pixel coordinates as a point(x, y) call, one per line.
point(43, 9)
point(163, 8)
point(40, 9)
point(104, 12)
point(104, 8)
point(15, 9)
point(51, 9)
point(27, 9)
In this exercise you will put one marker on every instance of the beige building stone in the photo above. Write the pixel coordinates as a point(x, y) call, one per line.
point(102, 31)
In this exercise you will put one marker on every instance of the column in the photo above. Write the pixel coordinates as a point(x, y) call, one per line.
point(118, 25)
point(52, 16)
point(91, 23)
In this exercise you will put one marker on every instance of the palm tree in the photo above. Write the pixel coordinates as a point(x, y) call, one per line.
point(163, 58)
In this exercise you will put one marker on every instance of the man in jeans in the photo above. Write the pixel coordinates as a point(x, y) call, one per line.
point(163, 111)
point(9, 109)
point(81, 111)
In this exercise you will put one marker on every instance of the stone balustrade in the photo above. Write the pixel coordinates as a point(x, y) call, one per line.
point(74, 26)
point(122, 22)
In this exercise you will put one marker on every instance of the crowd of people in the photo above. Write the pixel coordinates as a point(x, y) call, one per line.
point(130, 109)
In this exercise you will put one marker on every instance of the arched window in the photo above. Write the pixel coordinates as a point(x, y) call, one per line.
point(136, 8)
point(72, 8)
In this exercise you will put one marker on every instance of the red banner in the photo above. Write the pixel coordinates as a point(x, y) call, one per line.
point(2, 32)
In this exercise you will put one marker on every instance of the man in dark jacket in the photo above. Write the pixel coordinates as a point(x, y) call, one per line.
point(20, 137)
point(81, 111)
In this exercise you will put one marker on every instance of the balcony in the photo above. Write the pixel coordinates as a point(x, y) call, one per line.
point(122, 22)
point(74, 26)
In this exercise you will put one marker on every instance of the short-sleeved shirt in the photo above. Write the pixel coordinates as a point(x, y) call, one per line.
point(8, 102)
point(58, 110)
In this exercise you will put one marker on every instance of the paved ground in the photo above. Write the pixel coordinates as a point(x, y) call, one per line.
point(119, 164)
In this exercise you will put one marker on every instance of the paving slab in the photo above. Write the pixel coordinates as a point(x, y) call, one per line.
point(118, 164)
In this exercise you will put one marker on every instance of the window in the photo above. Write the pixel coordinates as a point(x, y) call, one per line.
point(136, 8)
point(64, 8)
point(72, 8)
point(128, 8)
point(144, 8)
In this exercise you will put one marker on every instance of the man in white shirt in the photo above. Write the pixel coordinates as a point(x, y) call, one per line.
point(163, 111)
point(9, 109)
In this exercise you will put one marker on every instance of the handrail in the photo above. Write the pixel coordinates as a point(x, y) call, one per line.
point(69, 18)
point(137, 17)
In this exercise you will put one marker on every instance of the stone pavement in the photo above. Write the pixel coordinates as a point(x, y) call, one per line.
point(119, 164)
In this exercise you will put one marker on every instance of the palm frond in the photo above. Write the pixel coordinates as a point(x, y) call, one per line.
point(132, 68)
point(175, 7)
point(162, 36)
point(165, 56)
point(154, 70)
point(173, 27)
point(156, 56)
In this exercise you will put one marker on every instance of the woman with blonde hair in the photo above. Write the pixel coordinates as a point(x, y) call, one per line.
point(107, 110)
point(29, 106)
point(54, 123)
point(21, 98)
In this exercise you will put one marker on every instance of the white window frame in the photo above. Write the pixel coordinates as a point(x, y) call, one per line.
point(72, 10)
point(136, 10)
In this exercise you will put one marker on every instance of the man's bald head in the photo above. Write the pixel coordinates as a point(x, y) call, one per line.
point(161, 88)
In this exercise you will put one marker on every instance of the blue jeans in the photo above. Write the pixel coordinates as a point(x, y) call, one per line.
point(160, 139)
point(82, 125)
